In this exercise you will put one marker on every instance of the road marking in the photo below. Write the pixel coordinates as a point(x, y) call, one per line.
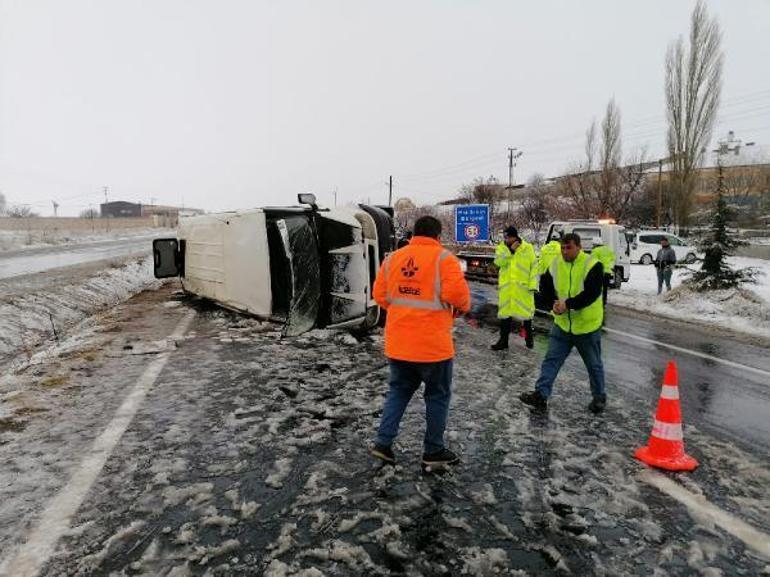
point(733, 364)
point(697, 504)
point(55, 519)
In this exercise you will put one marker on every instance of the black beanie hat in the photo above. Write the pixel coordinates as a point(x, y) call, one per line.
point(511, 231)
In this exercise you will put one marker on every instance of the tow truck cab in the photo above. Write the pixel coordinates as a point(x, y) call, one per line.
point(594, 232)
point(301, 266)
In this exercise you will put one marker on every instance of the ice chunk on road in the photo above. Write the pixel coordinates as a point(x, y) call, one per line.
point(282, 470)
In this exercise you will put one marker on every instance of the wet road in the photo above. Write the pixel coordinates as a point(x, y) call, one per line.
point(177, 439)
point(728, 400)
point(29, 261)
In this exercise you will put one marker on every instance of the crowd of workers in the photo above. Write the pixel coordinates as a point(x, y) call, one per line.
point(422, 287)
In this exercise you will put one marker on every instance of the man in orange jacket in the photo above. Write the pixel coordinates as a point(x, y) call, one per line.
point(422, 287)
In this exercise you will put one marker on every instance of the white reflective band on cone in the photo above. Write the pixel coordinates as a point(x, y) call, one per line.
point(667, 431)
point(669, 392)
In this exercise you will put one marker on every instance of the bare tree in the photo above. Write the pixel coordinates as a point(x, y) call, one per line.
point(534, 208)
point(21, 211)
point(629, 183)
point(89, 213)
point(601, 185)
point(610, 156)
point(740, 182)
point(579, 184)
point(641, 207)
point(693, 89)
point(2, 204)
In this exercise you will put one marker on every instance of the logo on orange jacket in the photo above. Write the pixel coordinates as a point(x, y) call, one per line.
point(409, 270)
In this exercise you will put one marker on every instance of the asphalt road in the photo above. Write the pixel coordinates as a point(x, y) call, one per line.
point(30, 261)
point(730, 400)
point(177, 439)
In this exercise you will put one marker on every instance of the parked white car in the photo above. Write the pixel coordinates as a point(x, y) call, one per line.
point(645, 245)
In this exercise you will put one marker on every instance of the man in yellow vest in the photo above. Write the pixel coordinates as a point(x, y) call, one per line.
point(574, 285)
point(549, 252)
point(516, 284)
point(606, 256)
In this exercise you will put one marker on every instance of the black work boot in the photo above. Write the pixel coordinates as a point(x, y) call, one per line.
point(597, 405)
point(383, 453)
point(440, 458)
point(499, 346)
point(534, 399)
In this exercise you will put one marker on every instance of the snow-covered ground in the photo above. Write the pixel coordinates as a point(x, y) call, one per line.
point(745, 310)
point(30, 315)
point(22, 239)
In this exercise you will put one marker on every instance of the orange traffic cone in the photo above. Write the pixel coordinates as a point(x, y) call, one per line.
point(665, 449)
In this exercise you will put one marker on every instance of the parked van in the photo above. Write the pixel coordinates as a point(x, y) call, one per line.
point(594, 232)
point(302, 266)
point(645, 245)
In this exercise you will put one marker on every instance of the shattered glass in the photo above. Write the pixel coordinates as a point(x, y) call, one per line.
point(301, 249)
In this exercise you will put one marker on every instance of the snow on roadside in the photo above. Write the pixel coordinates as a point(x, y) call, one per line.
point(30, 319)
point(24, 239)
point(745, 310)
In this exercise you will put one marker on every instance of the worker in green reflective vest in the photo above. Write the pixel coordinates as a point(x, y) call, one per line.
point(516, 285)
point(549, 252)
point(604, 255)
point(574, 286)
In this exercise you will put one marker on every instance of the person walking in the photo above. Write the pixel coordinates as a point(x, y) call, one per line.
point(574, 285)
point(516, 282)
point(423, 288)
point(664, 264)
point(606, 256)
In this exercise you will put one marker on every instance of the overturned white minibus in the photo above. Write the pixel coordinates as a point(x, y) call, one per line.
point(302, 266)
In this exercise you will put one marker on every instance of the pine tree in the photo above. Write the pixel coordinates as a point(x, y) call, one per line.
point(715, 273)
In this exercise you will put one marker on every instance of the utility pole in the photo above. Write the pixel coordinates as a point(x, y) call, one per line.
point(335, 197)
point(390, 191)
point(55, 208)
point(513, 155)
point(105, 188)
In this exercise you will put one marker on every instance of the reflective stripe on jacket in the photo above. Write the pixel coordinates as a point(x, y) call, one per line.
point(568, 279)
point(606, 256)
point(517, 299)
point(419, 285)
point(503, 260)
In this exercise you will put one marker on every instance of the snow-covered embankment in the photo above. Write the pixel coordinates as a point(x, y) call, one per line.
point(745, 310)
point(28, 318)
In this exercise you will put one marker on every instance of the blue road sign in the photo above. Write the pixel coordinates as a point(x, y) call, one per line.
point(472, 222)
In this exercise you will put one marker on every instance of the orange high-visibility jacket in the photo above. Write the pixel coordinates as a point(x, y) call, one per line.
point(419, 285)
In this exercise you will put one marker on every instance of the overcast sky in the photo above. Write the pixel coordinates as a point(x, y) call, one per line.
point(234, 104)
